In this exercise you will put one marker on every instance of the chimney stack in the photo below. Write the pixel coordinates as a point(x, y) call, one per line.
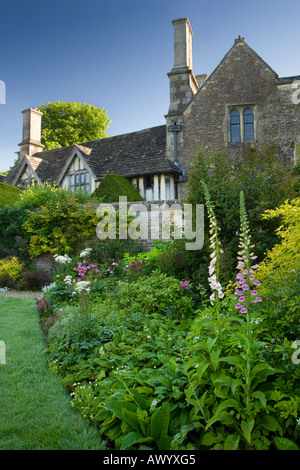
point(32, 123)
point(183, 84)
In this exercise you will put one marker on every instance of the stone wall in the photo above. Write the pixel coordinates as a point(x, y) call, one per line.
point(154, 213)
point(242, 79)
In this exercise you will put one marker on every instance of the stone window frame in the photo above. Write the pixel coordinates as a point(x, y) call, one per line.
point(240, 108)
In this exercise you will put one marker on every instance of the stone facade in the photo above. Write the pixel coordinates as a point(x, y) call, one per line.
point(241, 81)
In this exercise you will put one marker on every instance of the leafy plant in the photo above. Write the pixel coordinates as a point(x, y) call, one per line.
point(59, 227)
point(12, 267)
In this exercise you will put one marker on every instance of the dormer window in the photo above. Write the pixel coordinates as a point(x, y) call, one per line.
point(79, 181)
point(241, 124)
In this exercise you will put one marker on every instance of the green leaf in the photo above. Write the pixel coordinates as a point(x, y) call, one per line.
point(222, 417)
point(214, 357)
point(231, 442)
point(230, 403)
point(146, 390)
point(134, 438)
point(201, 368)
point(262, 366)
point(226, 381)
point(209, 438)
point(236, 383)
point(131, 418)
point(271, 424)
point(247, 427)
point(261, 397)
point(116, 406)
point(283, 443)
point(159, 424)
point(235, 360)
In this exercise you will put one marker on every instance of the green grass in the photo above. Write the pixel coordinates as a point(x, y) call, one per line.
point(9, 195)
point(35, 409)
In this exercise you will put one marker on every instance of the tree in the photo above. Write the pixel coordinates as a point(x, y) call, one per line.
point(65, 123)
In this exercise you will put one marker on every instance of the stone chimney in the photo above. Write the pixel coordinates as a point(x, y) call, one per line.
point(32, 122)
point(183, 84)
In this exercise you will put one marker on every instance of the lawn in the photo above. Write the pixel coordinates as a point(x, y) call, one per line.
point(36, 413)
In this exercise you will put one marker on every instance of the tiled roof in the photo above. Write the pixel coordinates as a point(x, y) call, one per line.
point(134, 154)
point(282, 80)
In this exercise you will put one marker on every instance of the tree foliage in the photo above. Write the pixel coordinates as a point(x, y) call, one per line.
point(266, 181)
point(65, 123)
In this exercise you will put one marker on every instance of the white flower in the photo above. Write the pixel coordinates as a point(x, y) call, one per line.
point(49, 287)
point(82, 286)
point(85, 252)
point(68, 280)
point(62, 259)
point(211, 269)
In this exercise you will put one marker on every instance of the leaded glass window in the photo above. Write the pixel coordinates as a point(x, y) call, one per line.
point(79, 181)
point(248, 125)
point(235, 126)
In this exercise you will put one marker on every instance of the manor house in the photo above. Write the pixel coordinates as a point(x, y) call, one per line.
point(241, 103)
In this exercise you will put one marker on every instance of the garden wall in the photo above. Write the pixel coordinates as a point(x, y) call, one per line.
point(151, 214)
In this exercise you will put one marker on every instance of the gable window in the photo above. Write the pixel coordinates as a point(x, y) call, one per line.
point(235, 126)
point(241, 124)
point(79, 181)
point(248, 125)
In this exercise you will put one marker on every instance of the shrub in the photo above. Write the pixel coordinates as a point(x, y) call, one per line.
point(14, 239)
point(113, 186)
point(280, 273)
point(9, 195)
point(11, 267)
point(34, 280)
point(113, 249)
point(60, 227)
point(155, 293)
point(7, 281)
point(38, 195)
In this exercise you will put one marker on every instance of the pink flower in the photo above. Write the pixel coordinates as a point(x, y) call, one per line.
point(256, 283)
point(239, 276)
point(245, 287)
point(244, 310)
point(254, 292)
point(251, 277)
point(257, 299)
point(238, 305)
point(242, 299)
point(238, 292)
point(221, 295)
point(240, 265)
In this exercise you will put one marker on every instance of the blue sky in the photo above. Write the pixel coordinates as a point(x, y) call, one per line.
point(116, 54)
